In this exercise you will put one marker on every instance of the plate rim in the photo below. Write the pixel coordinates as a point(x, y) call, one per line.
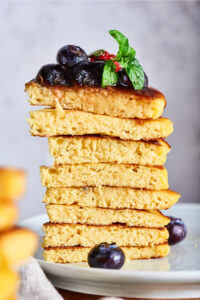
point(157, 276)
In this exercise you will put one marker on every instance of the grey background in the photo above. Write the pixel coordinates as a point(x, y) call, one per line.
point(166, 36)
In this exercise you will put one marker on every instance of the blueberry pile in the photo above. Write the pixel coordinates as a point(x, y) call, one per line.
point(76, 67)
point(177, 230)
point(106, 256)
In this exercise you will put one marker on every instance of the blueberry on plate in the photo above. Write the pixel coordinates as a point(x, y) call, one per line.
point(106, 256)
point(71, 55)
point(53, 74)
point(89, 73)
point(177, 230)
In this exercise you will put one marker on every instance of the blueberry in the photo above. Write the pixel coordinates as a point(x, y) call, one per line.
point(177, 230)
point(124, 80)
point(89, 73)
point(106, 256)
point(70, 55)
point(146, 81)
point(53, 74)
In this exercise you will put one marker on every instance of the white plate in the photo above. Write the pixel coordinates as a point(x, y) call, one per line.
point(175, 276)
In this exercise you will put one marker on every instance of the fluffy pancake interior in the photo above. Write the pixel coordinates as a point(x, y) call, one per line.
point(135, 176)
point(94, 149)
point(112, 197)
point(80, 254)
point(105, 216)
point(58, 235)
point(53, 122)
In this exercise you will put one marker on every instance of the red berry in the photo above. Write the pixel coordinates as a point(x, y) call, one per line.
point(117, 66)
point(106, 56)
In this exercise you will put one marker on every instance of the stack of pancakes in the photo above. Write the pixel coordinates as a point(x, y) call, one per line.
point(16, 244)
point(107, 183)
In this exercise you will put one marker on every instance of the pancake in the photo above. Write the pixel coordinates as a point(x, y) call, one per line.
point(59, 235)
point(135, 176)
point(112, 197)
point(12, 184)
point(8, 283)
point(17, 244)
point(52, 122)
point(79, 254)
point(104, 216)
point(8, 215)
point(124, 103)
point(94, 149)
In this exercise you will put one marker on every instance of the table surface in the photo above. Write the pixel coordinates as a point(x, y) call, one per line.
point(68, 295)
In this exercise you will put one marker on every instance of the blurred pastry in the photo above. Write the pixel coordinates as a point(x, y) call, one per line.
point(8, 215)
point(9, 283)
point(12, 184)
point(17, 245)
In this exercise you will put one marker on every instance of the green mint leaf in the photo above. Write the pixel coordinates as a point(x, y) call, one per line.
point(122, 41)
point(124, 62)
point(127, 60)
point(109, 77)
point(131, 53)
point(135, 74)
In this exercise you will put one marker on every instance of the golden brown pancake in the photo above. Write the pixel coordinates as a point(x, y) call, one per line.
point(73, 214)
point(124, 103)
point(135, 176)
point(112, 197)
point(59, 235)
point(78, 254)
point(94, 149)
point(52, 122)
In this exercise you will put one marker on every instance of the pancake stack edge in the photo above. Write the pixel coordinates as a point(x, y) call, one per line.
point(108, 182)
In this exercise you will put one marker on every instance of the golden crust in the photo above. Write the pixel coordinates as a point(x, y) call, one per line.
point(112, 197)
point(146, 104)
point(94, 149)
point(80, 254)
point(52, 122)
point(73, 214)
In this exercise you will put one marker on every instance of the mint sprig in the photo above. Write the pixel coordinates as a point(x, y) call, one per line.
point(127, 60)
point(110, 77)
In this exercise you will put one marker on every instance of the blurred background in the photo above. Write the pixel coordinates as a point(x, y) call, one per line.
point(166, 36)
